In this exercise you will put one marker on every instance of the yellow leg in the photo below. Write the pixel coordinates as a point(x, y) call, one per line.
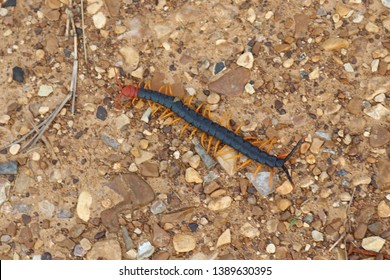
point(198, 108)
point(167, 115)
point(193, 132)
point(188, 100)
point(148, 85)
point(257, 170)
point(184, 128)
point(221, 152)
point(242, 165)
point(216, 146)
point(209, 145)
point(166, 111)
point(238, 128)
point(202, 137)
point(175, 121)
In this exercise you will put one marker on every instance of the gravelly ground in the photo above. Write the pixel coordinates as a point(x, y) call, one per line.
point(102, 183)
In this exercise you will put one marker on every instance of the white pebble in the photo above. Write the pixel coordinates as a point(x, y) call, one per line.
point(35, 156)
point(271, 249)
point(14, 149)
point(99, 20)
point(348, 67)
point(43, 110)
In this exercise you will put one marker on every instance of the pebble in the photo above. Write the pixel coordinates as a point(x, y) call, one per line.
point(246, 60)
point(131, 57)
point(377, 111)
point(231, 83)
point(251, 15)
point(249, 231)
point(149, 169)
point(283, 204)
point(110, 141)
point(101, 113)
point(224, 238)
point(249, 88)
point(194, 161)
point(379, 136)
point(220, 203)
point(193, 176)
point(158, 207)
point(105, 250)
point(360, 231)
point(23, 182)
point(219, 67)
point(345, 197)
point(373, 243)
point(78, 251)
point(288, 63)
point(99, 20)
point(18, 74)
point(5, 186)
point(143, 157)
point(372, 27)
point(361, 180)
point(271, 249)
point(3, 12)
point(317, 236)
point(83, 206)
point(94, 7)
point(46, 208)
point(383, 209)
point(14, 149)
point(315, 74)
point(45, 90)
point(333, 44)
point(348, 67)
point(386, 3)
point(4, 119)
point(261, 182)
point(213, 98)
point(121, 121)
point(43, 110)
point(160, 237)
point(145, 250)
point(285, 188)
point(315, 146)
point(375, 228)
point(183, 243)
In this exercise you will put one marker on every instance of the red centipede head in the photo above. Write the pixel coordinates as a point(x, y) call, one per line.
point(129, 91)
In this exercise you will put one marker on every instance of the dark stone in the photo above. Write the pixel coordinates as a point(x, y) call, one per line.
point(219, 67)
point(10, 167)
point(18, 74)
point(9, 3)
point(100, 235)
point(193, 227)
point(46, 256)
point(26, 219)
point(101, 113)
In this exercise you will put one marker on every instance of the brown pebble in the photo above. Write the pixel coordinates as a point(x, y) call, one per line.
point(149, 169)
point(213, 186)
point(232, 83)
point(380, 136)
point(360, 231)
point(11, 229)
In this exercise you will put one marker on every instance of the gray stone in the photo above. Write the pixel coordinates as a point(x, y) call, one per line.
point(22, 183)
point(145, 250)
point(109, 141)
point(46, 208)
point(9, 168)
point(5, 186)
point(158, 207)
point(106, 250)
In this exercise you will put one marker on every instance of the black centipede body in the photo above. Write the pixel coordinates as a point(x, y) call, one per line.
point(216, 130)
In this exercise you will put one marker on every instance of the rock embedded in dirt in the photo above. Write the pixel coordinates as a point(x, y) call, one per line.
point(249, 231)
point(9, 168)
point(158, 207)
point(105, 250)
point(334, 43)
point(183, 243)
point(193, 176)
point(246, 60)
point(149, 169)
point(317, 236)
point(18, 74)
point(145, 250)
point(383, 209)
point(101, 113)
point(5, 186)
point(231, 83)
point(83, 206)
point(160, 237)
point(224, 238)
point(379, 136)
point(373, 243)
point(220, 203)
point(360, 231)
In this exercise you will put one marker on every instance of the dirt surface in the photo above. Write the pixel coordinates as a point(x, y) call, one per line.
point(104, 184)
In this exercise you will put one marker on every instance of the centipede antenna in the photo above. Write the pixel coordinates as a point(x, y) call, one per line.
point(117, 79)
point(293, 150)
point(288, 174)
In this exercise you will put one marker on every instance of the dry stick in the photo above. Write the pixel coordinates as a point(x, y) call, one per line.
point(346, 220)
point(73, 83)
point(83, 30)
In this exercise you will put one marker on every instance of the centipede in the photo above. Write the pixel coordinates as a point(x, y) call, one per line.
point(215, 130)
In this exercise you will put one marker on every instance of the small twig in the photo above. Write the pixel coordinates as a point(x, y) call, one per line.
point(346, 220)
point(337, 242)
point(353, 249)
point(83, 30)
